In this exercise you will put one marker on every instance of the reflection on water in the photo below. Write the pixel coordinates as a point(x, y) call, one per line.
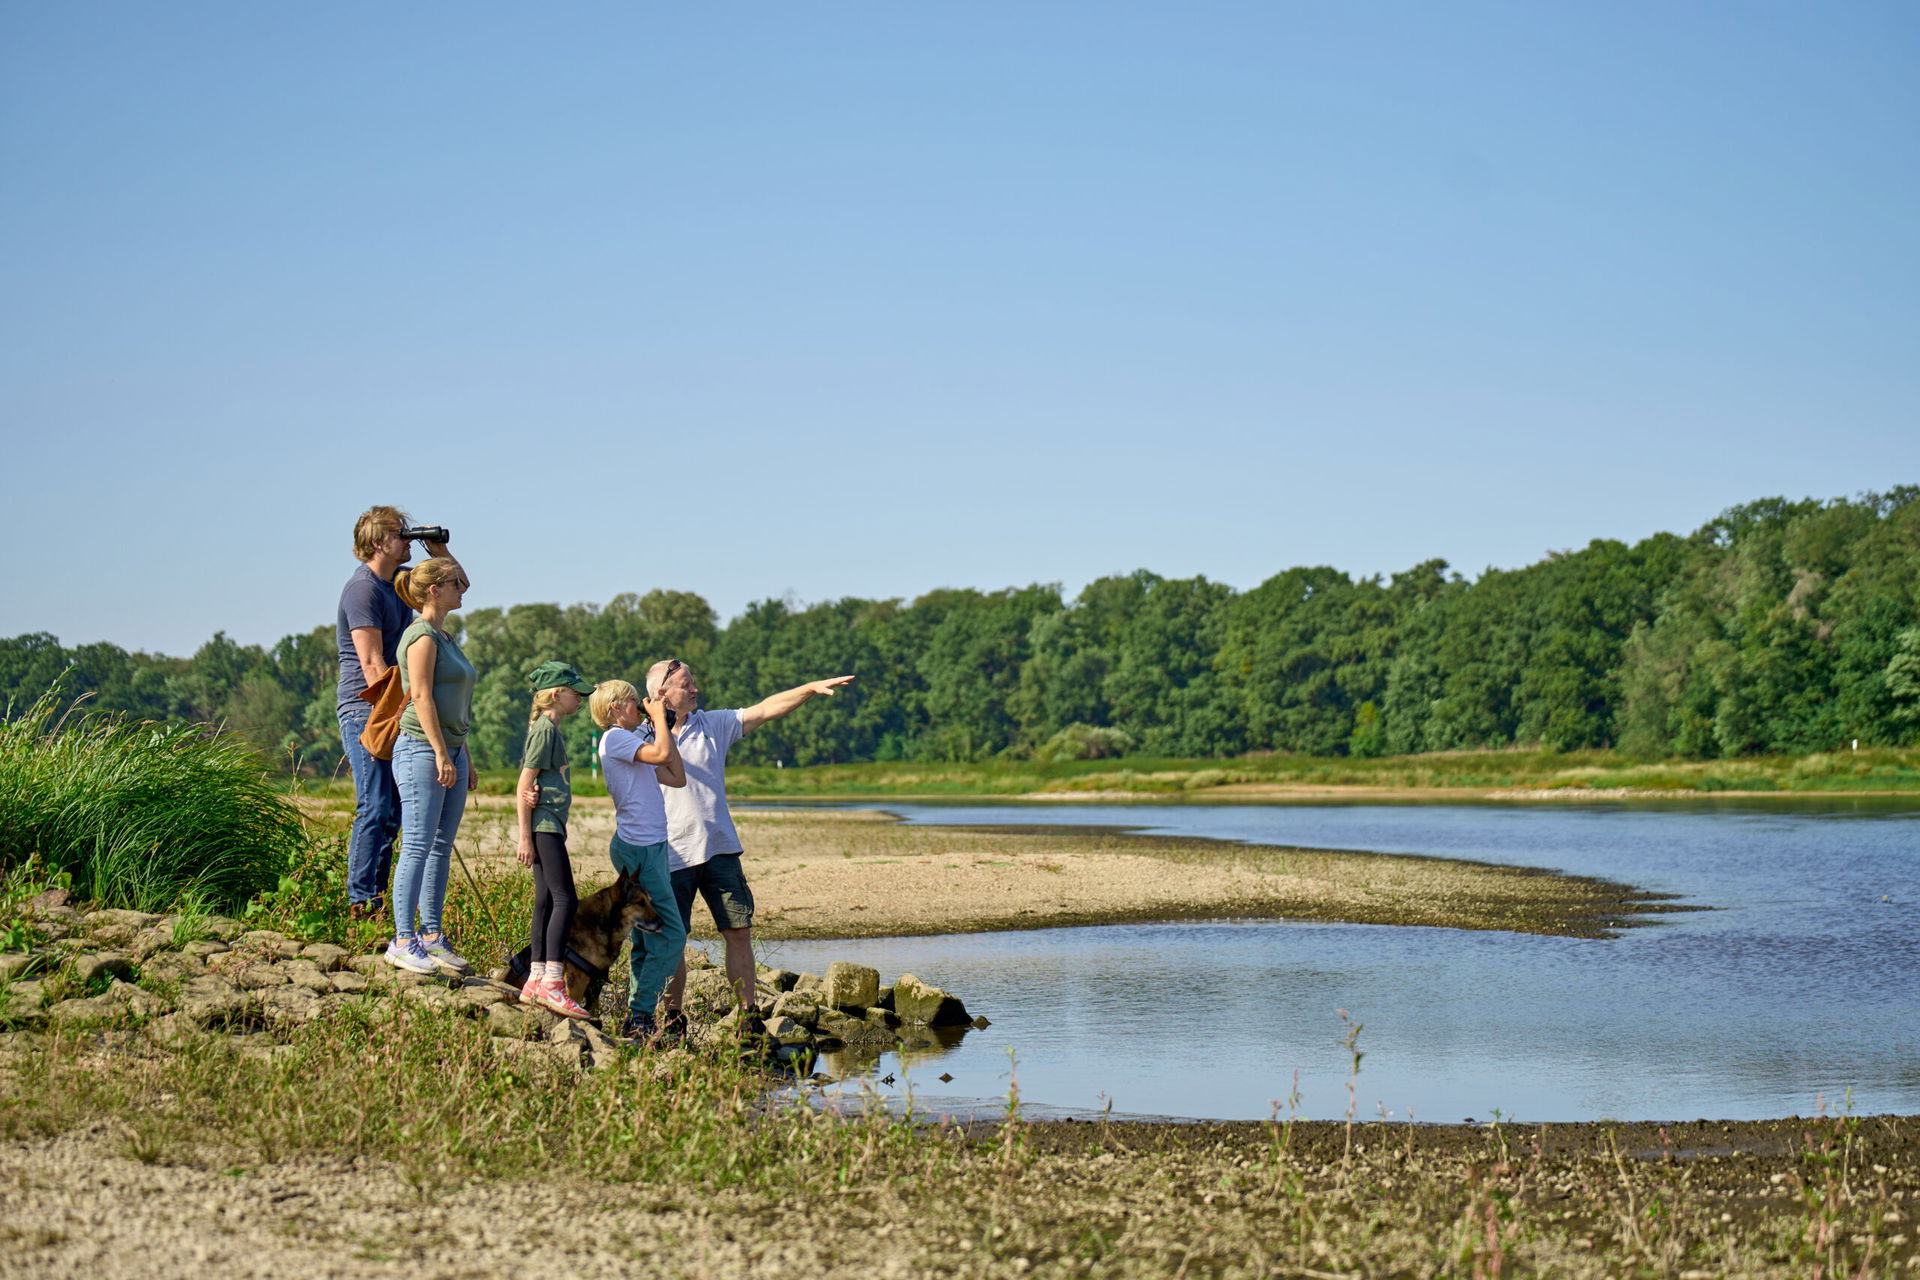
point(1804, 982)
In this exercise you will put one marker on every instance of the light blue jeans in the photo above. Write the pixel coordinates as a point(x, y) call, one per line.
point(655, 956)
point(429, 820)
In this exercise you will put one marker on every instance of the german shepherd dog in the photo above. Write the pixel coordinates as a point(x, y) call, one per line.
point(600, 925)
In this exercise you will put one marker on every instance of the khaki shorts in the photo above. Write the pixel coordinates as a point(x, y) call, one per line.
point(723, 884)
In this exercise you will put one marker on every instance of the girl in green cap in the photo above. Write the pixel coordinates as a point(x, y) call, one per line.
point(543, 798)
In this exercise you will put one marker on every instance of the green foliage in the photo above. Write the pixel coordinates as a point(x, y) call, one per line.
point(1779, 627)
point(1085, 742)
point(139, 814)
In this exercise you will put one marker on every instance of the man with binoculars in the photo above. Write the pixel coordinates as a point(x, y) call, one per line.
point(370, 621)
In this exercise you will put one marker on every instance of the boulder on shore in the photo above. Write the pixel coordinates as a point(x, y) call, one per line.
point(922, 1002)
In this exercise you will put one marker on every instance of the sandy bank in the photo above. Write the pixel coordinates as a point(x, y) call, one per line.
point(850, 873)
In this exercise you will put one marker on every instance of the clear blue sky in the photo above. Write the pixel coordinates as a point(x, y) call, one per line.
point(866, 299)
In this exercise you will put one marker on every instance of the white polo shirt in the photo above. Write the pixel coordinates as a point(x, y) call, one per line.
point(699, 827)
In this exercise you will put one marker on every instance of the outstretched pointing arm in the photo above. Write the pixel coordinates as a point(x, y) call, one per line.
point(777, 705)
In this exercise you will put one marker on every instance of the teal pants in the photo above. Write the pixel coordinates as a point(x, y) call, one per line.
point(654, 956)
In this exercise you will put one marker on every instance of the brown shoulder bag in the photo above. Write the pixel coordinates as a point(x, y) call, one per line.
point(383, 726)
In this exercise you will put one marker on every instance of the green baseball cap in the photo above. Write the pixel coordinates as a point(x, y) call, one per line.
point(558, 675)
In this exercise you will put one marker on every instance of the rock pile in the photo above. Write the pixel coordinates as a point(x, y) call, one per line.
point(172, 977)
point(844, 1008)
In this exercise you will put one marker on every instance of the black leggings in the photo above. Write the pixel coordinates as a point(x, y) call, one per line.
point(554, 901)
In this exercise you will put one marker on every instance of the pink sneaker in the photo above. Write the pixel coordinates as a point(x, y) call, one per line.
point(553, 995)
point(530, 991)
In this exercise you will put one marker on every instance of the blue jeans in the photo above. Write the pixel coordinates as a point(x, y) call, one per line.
point(429, 820)
point(376, 811)
point(655, 956)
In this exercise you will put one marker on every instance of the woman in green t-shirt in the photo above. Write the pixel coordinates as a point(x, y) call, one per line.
point(543, 797)
point(430, 767)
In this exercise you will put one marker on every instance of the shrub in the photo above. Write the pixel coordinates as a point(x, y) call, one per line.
point(140, 813)
point(1085, 742)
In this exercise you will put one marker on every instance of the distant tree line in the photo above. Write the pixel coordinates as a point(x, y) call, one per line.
point(1777, 627)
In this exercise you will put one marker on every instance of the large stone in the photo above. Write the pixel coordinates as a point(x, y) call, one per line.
point(775, 979)
point(326, 955)
point(204, 949)
point(808, 982)
point(346, 980)
point(207, 1001)
point(273, 943)
point(708, 985)
point(26, 993)
point(259, 977)
point(135, 920)
point(784, 1030)
point(922, 1002)
point(172, 966)
point(89, 965)
point(15, 965)
point(151, 942)
point(851, 986)
point(853, 1031)
point(511, 1022)
point(84, 1012)
point(423, 996)
point(605, 1048)
point(20, 1016)
point(583, 1045)
point(305, 973)
point(289, 1006)
point(338, 1001)
point(481, 993)
point(801, 1006)
point(137, 1001)
point(221, 928)
point(572, 1053)
point(118, 936)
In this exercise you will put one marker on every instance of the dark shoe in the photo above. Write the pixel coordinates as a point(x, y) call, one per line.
point(674, 1029)
point(371, 909)
point(639, 1028)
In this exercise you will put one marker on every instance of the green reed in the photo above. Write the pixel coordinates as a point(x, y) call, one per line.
point(140, 814)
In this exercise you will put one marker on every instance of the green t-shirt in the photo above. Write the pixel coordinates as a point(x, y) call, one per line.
point(546, 750)
point(453, 678)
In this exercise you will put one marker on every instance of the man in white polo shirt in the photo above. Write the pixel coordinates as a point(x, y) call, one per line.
point(703, 848)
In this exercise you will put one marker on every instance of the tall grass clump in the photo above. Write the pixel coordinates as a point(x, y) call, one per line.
point(140, 814)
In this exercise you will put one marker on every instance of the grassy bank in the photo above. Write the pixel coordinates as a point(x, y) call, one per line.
point(1880, 770)
point(418, 1145)
point(1833, 772)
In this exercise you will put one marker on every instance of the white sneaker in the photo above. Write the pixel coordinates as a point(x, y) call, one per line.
point(409, 955)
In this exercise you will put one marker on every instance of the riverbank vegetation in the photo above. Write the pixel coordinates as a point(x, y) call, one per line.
point(1778, 628)
point(416, 1139)
point(140, 815)
point(358, 1140)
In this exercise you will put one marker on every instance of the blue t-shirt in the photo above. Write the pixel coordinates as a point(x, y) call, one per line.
point(368, 600)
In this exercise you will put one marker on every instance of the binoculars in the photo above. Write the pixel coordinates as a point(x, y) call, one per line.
point(425, 533)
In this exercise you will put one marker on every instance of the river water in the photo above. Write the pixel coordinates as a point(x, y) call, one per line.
point(1800, 988)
